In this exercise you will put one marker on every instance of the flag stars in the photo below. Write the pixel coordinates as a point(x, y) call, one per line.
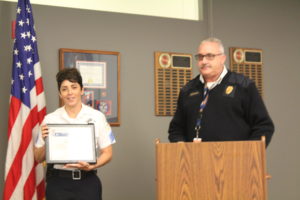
point(30, 74)
point(16, 51)
point(27, 48)
point(28, 9)
point(28, 34)
point(21, 23)
point(12, 81)
point(23, 35)
point(33, 39)
point(21, 76)
point(27, 21)
point(18, 10)
point(29, 60)
point(19, 64)
point(24, 89)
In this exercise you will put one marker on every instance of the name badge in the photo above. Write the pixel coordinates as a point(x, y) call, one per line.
point(194, 93)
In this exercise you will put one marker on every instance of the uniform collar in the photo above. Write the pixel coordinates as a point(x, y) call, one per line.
point(66, 116)
point(211, 85)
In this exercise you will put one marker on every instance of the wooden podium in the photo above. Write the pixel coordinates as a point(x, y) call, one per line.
point(211, 171)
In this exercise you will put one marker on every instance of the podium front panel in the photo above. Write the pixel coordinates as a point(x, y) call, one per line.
point(211, 171)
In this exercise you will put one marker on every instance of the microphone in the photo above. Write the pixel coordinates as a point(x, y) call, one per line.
point(90, 121)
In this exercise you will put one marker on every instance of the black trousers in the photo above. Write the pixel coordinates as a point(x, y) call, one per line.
point(60, 188)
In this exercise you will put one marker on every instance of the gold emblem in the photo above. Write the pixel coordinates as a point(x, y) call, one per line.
point(229, 89)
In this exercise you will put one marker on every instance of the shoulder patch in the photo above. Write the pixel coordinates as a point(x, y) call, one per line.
point(112, 137)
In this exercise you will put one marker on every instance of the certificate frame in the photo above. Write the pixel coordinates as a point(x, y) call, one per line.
point(100, 71)
point(70, 143)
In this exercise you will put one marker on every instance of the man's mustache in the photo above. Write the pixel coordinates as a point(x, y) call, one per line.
point(205, 65)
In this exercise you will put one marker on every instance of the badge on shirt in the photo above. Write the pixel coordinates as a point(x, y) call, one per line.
point(229, 91)
point(194, 93)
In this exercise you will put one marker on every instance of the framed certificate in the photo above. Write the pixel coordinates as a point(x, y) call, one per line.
point(100, 71)
point(70, 143)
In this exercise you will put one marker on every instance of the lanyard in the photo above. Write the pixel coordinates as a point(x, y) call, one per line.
point(200, 113)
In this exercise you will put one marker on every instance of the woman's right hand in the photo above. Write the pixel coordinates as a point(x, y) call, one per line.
point(45, 131)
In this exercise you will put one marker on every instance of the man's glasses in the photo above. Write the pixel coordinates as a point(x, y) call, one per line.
point(208, 56)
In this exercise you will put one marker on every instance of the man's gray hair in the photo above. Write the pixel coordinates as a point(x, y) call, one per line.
point(215, 40)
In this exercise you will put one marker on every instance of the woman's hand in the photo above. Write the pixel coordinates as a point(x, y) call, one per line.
point(80, 165)
point(105, 157)
point(39, 152)
point(45, 131)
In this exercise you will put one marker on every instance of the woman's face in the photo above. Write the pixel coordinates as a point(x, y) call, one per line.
point(70, 93)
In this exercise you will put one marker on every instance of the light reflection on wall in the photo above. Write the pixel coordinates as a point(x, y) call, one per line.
point(180, 9)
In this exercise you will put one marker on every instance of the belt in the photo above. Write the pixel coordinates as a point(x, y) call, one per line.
point(72, 174)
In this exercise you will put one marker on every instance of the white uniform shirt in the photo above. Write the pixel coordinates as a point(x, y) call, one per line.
point(103, 133)
point(211, 85)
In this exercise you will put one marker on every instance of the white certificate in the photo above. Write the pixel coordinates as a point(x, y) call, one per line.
point(93, 73)
point(70, 143)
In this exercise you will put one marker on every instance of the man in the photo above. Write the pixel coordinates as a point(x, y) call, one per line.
point(219, 105)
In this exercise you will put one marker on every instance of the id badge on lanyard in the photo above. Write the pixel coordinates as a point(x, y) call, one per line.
point(200, 113)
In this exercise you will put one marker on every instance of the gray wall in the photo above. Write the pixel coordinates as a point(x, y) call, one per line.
point(270, 25)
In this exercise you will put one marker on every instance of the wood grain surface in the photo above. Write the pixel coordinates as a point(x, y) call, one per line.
point(211, 171)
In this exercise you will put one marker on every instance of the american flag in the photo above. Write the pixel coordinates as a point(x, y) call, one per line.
point(23, 176)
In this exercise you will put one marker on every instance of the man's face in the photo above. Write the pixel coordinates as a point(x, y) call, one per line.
point(210, 61)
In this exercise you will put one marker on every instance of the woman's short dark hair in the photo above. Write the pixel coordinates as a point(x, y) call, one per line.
point(70, 74)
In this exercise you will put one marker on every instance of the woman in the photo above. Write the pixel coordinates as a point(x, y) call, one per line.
point(61, 184)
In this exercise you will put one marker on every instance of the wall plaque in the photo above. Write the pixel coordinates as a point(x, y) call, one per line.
point(172, 71)
point(248, 62)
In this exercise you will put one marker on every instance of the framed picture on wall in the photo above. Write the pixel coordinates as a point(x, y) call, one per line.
point(100, 71)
